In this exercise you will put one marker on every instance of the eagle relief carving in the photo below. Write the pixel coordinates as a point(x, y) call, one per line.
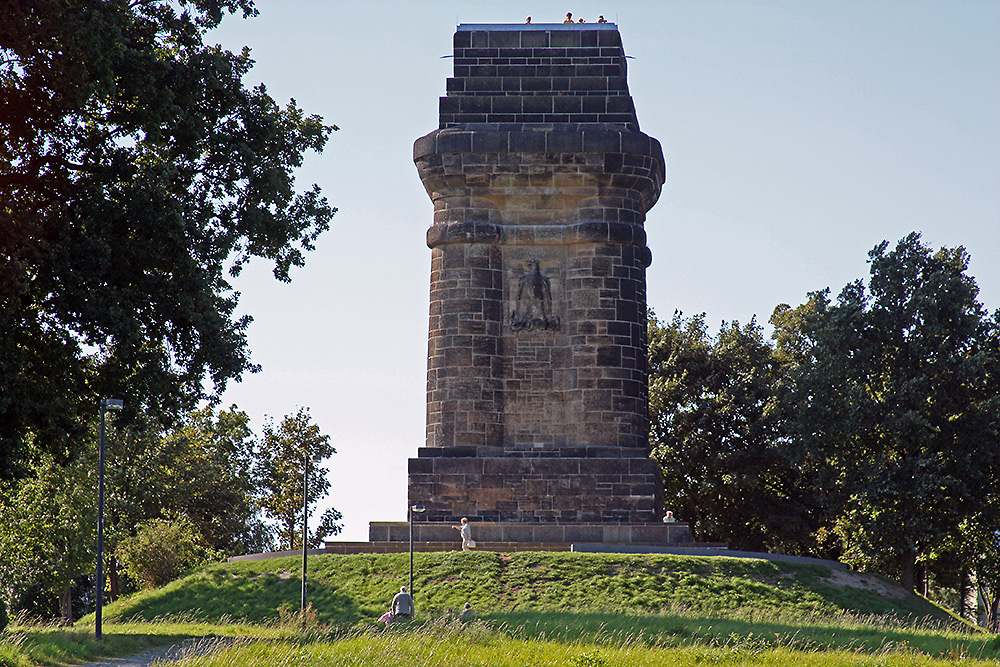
point(533, 303)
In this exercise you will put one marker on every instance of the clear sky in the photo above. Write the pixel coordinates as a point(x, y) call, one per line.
point(798, 134)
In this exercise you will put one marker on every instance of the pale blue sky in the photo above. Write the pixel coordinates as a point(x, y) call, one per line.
point(798, 135)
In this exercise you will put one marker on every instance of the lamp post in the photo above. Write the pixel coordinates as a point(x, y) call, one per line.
point(305, 528)
point(418, 509)
point(106, 404)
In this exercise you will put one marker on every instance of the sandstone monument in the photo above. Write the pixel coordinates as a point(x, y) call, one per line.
point(537, 421)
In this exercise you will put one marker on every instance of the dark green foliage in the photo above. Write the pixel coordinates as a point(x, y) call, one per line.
point(716, 432)
point(137, 174)
point(894, 404)
point(48, 526)
point(201, 469)
point(868, 430)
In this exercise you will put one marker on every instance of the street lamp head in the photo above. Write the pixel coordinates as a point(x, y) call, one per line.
point(112, 403)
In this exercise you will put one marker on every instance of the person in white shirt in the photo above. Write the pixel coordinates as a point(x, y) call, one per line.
point(465, 530)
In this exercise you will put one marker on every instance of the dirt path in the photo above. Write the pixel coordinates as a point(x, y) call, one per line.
point(160, 654)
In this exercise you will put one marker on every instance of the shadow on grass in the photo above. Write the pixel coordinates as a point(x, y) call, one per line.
point(256, 598)
point(49, 646)
point(676, 630)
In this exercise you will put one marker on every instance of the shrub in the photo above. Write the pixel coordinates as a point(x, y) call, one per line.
point(162, 551)
point(3, 616)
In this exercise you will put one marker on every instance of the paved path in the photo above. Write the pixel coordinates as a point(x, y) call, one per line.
point(186, 648)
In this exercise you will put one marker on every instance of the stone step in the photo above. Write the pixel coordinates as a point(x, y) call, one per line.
point(666, 534)
point(547, 108)
point(552, 103)
point(699, 548)
point(579, 70)
point(466, 452)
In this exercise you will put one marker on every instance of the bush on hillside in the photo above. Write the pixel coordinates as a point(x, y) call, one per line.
point(161, 551)
point(3, 616)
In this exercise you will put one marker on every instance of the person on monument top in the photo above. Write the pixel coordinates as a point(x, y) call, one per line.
point(465, 530)
point(527, 20)
point(402, 605)
point(600, 19)
point(569, 17)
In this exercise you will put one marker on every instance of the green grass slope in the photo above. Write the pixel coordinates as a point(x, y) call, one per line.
point(347, 589)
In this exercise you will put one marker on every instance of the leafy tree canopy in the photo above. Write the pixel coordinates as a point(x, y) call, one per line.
point(894, 394)
point(197, 476)
point(137, 176)
point(715, 430)
point(48, 527)
point(285, 450)
point(201, 470)
point(161, 551)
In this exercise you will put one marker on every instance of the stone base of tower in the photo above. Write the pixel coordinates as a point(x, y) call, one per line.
point(535, 490)
point(499, 536)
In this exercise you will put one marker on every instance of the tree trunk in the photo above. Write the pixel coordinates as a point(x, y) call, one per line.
point(907, 568)
point(66, 603)
point(963, 594)
point(920, 579)
point(994, 620)
point(113, 578)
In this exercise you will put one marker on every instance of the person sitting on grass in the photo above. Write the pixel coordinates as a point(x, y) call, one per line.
point(402, 605)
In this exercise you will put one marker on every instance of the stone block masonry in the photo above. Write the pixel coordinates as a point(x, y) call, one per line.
point(537, 378)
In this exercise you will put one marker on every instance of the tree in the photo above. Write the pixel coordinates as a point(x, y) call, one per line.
point(137, 175)
point(893, 399)
point(284, 451)
point(200, 471)
point(208, 476)
point(715, 430)
point(161, 551)
point(47, 535)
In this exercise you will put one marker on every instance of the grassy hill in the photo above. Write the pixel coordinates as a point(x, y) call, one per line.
point(347, 589)
point(581, 610)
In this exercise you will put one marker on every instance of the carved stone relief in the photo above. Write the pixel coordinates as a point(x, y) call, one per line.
point(532, 307)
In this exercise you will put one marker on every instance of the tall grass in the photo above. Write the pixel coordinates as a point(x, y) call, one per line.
point(679, 628)
point(478, 644)
point(30, 644)
point(530, 639)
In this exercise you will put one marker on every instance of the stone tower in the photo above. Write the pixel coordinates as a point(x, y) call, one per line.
point(536, 367)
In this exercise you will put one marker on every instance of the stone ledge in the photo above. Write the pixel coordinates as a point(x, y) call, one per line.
point(663, 534)
point(581, 452)
point(537, 138)
point(692, 549)
point(572, 234)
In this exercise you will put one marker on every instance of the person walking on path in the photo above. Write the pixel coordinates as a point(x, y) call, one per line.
point(402, 604)
point(465, 530)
